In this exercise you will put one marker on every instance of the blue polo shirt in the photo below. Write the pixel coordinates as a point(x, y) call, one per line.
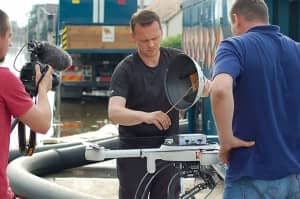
point(265, 67)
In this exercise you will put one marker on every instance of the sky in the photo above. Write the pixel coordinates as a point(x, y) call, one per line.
point(18, 10)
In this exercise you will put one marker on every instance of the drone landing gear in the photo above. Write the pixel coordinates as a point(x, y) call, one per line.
point(206, 174)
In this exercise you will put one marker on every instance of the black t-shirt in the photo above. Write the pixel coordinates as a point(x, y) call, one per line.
point(143, 88)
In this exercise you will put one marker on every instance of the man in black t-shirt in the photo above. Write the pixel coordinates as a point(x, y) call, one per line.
point(138, 103)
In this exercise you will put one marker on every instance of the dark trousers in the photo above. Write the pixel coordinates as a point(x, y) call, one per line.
point(136, 183)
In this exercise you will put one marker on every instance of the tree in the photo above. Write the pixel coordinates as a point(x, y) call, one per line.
point(32, 22)
point(44, 33)
point(172, 41)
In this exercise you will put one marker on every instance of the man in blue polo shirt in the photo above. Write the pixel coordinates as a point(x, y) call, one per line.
point(256, 104)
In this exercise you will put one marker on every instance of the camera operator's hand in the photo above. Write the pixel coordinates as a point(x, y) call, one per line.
point(46, 83)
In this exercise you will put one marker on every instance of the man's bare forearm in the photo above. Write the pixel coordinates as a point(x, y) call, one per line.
point(126, 116)
point(44, 108)
point(222, 106)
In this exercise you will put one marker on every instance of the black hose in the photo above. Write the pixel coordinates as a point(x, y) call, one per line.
point(24, 172)
point(15, 153)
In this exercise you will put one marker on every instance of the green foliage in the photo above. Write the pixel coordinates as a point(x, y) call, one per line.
point(43, 34)
point(35, 33)
point(32, 23)
point(173, 41)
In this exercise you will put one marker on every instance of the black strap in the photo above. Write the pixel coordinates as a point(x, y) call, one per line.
point(22, 136)
point(26, 149)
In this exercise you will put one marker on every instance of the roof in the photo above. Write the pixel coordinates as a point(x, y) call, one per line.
point(166, 9)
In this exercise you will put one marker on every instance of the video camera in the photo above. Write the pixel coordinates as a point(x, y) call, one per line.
point(43, 54)
point(27, 73)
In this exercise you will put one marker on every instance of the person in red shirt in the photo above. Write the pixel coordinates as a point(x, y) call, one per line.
point(16, 102)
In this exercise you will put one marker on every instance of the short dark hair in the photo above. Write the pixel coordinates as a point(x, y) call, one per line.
point(143, 17)
point(3, 22)
point(251, 10)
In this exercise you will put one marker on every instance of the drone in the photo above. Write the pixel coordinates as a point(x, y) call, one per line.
point(190, 153)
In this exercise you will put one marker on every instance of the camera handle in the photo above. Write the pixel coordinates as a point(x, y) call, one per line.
point(43, 72)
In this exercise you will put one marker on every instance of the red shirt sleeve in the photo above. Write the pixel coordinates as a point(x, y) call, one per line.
point(13, 93)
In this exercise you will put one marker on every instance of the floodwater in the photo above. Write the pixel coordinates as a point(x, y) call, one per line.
point(80, 116)
point(69, 116)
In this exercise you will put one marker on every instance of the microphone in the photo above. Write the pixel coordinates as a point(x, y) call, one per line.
point(54, 56)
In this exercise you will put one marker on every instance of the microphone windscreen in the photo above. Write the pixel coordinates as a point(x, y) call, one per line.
point(54, 56)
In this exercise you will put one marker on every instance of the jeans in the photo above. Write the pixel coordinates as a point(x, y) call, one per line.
point(248, 188)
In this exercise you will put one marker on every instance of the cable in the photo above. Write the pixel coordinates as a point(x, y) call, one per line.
point(170, 183)
point(205, 197)
point(143, 180)
point(19, 52)
point(152, 178)
point(211, 190)
point(140, 184)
